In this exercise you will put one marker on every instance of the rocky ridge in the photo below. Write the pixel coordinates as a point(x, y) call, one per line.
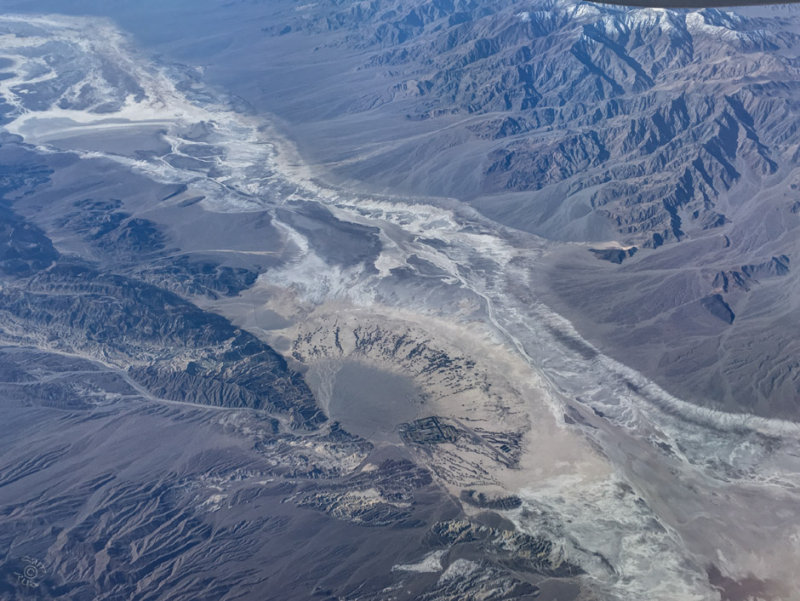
point(591, 119)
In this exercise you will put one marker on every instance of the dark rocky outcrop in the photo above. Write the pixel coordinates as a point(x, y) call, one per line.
point(717, 306)
point(479, 499)
point(613, 255)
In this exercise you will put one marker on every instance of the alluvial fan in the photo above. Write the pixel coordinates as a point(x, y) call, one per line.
point(554, 357)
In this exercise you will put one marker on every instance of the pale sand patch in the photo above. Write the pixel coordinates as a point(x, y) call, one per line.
point(431, 563)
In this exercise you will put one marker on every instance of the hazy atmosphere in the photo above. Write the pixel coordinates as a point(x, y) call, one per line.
point(399, 300)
